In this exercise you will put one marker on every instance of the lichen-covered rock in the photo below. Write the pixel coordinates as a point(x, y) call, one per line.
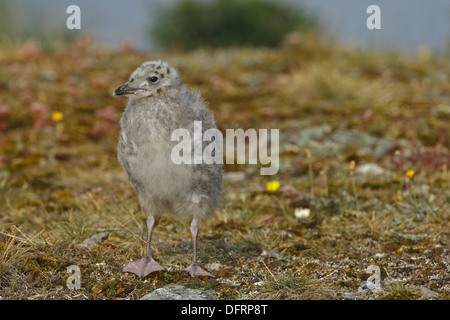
point(179, 293)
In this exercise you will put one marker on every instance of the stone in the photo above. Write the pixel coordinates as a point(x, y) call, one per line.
point(428, 294)
point(96, 239)
point(180, 293)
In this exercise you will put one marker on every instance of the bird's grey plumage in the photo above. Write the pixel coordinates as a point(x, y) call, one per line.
point(158, 104)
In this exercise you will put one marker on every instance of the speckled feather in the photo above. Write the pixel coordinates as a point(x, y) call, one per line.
point(145, 146)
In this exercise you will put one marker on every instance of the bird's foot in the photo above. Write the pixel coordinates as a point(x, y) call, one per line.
point(142, 267)
point(196, 270)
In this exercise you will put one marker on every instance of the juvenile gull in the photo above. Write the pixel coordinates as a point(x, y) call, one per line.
point(159, 103)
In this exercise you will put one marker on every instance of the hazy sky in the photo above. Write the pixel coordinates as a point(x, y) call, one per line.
point(405, 24)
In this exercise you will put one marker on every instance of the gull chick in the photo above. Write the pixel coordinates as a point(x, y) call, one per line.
point(158, 104)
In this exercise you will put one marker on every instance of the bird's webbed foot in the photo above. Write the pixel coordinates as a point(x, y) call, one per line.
point(142, 267)
point(196, 270)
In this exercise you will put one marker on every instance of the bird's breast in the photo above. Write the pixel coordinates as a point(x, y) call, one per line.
point(149, 167)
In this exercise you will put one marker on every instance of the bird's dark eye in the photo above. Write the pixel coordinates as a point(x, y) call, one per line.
point(132, 79)
point(153, 79)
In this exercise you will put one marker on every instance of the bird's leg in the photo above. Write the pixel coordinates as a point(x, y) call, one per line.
point(194, 269)
point(146, 265)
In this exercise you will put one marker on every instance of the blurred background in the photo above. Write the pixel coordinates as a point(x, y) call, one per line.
point(407, 25)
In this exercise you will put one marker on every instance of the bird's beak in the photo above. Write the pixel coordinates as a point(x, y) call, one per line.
point(125, 89)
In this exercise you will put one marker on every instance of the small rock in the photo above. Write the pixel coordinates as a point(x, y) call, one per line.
point(179, 293)
point(368, 169)
point(428, 294)
point(96, 239)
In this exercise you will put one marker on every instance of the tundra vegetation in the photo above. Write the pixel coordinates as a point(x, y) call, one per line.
point(363, 174)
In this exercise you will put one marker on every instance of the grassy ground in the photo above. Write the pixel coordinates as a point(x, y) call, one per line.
point(60, 182)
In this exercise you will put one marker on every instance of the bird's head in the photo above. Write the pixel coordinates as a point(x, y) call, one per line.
point(151, 79)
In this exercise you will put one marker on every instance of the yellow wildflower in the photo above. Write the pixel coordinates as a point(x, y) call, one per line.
point(410, 173)
point(57, 116)
point(272, 186)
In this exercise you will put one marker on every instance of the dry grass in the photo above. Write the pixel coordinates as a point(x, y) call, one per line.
point(60, 183)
